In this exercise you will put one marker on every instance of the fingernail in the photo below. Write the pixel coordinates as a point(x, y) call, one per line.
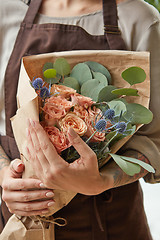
point(45, 211)
point(20, 165)
point(42, 185)
point(50, 204)
point(49, 194)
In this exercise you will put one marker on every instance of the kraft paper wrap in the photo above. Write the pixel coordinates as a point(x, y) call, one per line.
point(115, 61)
point(26, 228)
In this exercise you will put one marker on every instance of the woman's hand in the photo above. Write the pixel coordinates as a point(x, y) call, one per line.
point(81, 176)
point(19, 195)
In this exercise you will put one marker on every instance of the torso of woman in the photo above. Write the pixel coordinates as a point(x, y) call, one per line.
point(70, 8)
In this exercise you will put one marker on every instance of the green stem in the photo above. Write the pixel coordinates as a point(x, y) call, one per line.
point(91, 136)
point(107, 144)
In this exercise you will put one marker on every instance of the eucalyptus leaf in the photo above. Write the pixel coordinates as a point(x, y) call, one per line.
point(50, 73)
point(101, 77)
point(138, 114)
point(128, 167)
point(146, 166)
point(134, 75)
point(81, 72)
point(47, 65)
point(106, 94)
point(72, 83)
point(62, 66)
point(122, 100)
point(118, 107)
point(97, 67)
point(126, 92)
point(95, 92)
point(89, 86)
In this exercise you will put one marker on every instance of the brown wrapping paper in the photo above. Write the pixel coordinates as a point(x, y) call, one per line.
point(115, 61)
point(18, 228)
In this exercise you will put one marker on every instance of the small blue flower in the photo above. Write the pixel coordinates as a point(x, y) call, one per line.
point(109, 113)
point(37, 83)
point(44, 93)
point(101, 125)
point(121, 127)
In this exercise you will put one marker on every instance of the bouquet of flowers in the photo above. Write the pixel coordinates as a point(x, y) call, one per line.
point(102, 95)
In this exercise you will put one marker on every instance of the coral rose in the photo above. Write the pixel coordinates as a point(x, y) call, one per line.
point(73, 121)
point(83, 101)
point(94, 113)
point(59, 140)
point(62, 90)
point(81, 112)
point(56, 108)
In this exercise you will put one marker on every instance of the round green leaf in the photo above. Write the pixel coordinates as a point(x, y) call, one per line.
point(72, 83)
point(126, 92)
point(62, 66)
point(134, 75)
point(49, 73)
point(102, 78)
point(88, 87)
point(118, 106)
point(47, 65)
point(95, 92)
point(106, 95)
point(128, 167)
point(97, 67)
point(138, 114)
point(81, 72)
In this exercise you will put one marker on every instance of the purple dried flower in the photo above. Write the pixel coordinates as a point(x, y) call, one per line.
point(109, 113)
point(101, 125)
point(121, 127)
point(44, 93)
point(37, 83)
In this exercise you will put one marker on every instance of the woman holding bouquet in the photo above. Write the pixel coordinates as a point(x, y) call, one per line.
point(110, 202)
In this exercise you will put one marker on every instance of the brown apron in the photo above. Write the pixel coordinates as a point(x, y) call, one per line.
point(116, 214)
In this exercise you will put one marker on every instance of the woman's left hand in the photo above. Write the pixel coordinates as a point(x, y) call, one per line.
point(81, 176)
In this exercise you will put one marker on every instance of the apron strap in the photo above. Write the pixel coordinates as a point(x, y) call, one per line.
point(112, 32)
point(32, 11)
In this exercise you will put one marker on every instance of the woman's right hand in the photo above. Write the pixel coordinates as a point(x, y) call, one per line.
point(19, 195)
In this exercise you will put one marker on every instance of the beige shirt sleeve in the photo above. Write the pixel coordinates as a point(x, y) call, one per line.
point(147, 38)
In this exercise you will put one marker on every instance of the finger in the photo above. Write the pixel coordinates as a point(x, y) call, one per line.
point(19, 184)
point(30, 207)
point(34, 160)
point(26, 196)
point(17, 168)
point(82, 148)
point(44, 144)
point(33, 149)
